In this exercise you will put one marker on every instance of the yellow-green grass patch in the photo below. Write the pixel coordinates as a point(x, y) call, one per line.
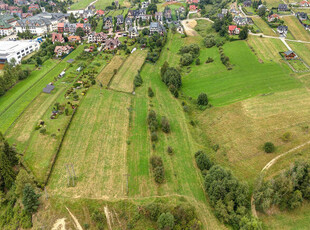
point(273, 3)
point(263, 26)
point(241, 129)
point(296, 29)
point(96, 145)
point(302, 50)
point(108, 72)
point(123, 80)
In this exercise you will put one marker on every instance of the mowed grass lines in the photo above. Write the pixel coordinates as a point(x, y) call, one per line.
point(11, 114)
point(108, 72)
point(248, 78)
point(241, 129)
point(96, 145)
point(296, 29)
point(267, 49)
point(302, 50)
point(123, 80)
point(263, 26)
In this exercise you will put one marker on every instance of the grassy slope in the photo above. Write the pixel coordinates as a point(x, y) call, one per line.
point(123, 80)
point(297, 30)
point(263, 26)
point(302, 50)
point(10, 115)
point(247, 79)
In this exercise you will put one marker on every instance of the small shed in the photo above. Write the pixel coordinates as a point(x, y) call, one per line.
point(48, 88)
point(61, 74)
point(289, 55)
point(79, 69)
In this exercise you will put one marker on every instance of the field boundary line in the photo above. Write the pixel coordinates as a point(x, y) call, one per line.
point(29, 89)
point(111, 79)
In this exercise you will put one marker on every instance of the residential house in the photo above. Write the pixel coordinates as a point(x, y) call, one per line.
point(247, 3)
point(87, 27)
point(119, 19)
point(233, 30)
point(273, 17)
point(33, 7)
point(302, 16)
point(133, 32)
point(128, 23)
point(100, 12)
point(61, 27)
point(192, 8)
point(157, 27)
point(131, 13)
point(304, 4)
point(97, 37)
point(159, 16)
point(181, 9)
point(107, 23)
point(8, 19)
point(57, 38)
point(242, 21)
point(62, 50)
point(289, 55)
point(20, 2)
point(192, 1)
point(178, 26)
point(3, 6)
point(49, 88)
point(112, 44)
point(220, 16)
point(282, 30)
point(283, 7)
point(27, 15)
point(167, 13)
point(224, 11)
point(145, 4)
point(87, 14)
point(73, 38)
point(5, 28)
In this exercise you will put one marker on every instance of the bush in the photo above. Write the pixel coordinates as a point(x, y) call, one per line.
point(269, 147)
point(209, 60)
point(186, 59)
point(170, 150)
point(150, 92)
point(159, 174)
point(165, 126)
point(172, 77)
point(43, 131)
point(156, 161)
point(154, 137)
point(153, 211)
point(152, 121)
point(197, 61)
point(202, 99)
point(286, 137)
point(202, 161)
point(209, 41)
point(138, 80)
point(166, 221)
point(174, 91)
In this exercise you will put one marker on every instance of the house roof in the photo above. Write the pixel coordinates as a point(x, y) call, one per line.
point(48, 88)
point(232, 27)
point(289, 52)
point(57, 37)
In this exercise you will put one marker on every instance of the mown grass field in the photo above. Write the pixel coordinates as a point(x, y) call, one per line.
point(123, 80)
point(267, 49)
point(108, 72)
point(18, 106)
point(96, 145)
point(263, 26)
point(273, 3)
point(296, 29)
point(302, 50)
point(248, 78)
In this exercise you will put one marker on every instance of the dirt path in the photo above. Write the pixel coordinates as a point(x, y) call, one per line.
point(267, 36)
point(107, 214)
point(189, 25)
point(76, 222)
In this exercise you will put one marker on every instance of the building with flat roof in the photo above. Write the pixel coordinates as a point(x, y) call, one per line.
point(16, 50)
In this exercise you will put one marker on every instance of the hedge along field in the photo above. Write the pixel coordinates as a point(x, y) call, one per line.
point(21, 87)
point(248, 78)
point(10, 115)
point(123, 80)
point(296, 29)
point(96, 145)
point(107, 73)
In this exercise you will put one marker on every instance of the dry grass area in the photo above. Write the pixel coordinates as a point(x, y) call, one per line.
point(123, 80)
point(189, 26)
point(96, 145)
point(267, 49)
point(108, 72)
point(242, 128)
point(296, 29)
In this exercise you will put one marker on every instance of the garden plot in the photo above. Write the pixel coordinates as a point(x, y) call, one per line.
point(123, 80)
point(110, 70)
point(96, 145)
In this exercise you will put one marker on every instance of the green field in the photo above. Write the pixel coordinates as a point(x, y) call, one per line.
point(248, 78)
point(263, 26)
point(19, 104)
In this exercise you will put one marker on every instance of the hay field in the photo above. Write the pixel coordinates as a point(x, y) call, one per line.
point(263, 26)
point(242, 128)
point(107, 73)
point(123, 80)
point(302, 50)
point(296, 29)
point(96, 145)
point(267, 49)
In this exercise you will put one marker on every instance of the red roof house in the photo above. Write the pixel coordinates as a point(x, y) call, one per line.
point(33, 7)
point(100, 12)
point(57, 38)
point(192, 7)
point(273, 17)
point(61, 27)
point(233, 30)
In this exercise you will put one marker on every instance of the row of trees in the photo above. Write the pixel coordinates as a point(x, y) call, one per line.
point(229, 197)
point(287, 190)
point(18, 199)
point(12, 73)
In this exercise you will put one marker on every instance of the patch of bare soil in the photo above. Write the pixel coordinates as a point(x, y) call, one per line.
point(60, 224)
point(189, 26)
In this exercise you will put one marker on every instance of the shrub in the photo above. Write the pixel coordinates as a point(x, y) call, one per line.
point(202, 99)
point(286, 137)
point(269, 147)
point(209, 41)
point(170, 150)
point(202, 161)
point(209, 60)
point(153, 211)
point(159, 174)
point(197, 61)
point(186, 59)
point(165, 126)
point(152, 121)
point(138, 80)
point(150, 92)
point(30, 199)
point(172, 77)
point(156, 161)
point(154, 137)
point(166, 221)
point(43, 131)
point(174, 91)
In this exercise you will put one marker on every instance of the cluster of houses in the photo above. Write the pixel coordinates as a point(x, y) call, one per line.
point(16, 9)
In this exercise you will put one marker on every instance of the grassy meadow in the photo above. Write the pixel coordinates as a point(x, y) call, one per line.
point(302, 50)
point(123, 80)
point(263, 26)
point(296, 29)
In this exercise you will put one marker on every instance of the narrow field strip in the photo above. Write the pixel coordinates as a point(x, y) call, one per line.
point(123, 80)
